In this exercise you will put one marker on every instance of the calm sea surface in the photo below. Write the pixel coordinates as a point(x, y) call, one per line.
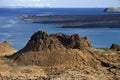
point(18, 32)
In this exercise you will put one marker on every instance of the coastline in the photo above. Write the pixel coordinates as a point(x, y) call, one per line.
point(76, 21)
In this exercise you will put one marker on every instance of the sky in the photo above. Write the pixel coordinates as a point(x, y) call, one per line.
point(60, 3)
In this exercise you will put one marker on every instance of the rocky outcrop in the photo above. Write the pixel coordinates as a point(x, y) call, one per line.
point(42, 41)
point(43, 49)
point(112, 10)
point(115, 47)
point(6, 48)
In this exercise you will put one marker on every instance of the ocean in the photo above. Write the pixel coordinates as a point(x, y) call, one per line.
point(18, 32)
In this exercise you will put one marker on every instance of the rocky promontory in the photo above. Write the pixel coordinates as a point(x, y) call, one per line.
point(112, 10)
point(54, 49)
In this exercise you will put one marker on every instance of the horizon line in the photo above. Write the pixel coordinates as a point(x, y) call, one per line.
point(53, 7)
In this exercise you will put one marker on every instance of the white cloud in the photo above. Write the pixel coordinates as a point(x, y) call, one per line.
point(25, 3)
point(59, 3)
point(34, 3)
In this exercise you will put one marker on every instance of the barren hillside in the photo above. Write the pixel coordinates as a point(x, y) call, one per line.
point(61, 57)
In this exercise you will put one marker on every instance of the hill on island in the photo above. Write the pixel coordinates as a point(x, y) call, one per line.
point(50, 50)
point(57, 49)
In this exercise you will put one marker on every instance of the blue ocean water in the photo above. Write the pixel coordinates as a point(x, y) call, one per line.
point(18, 32)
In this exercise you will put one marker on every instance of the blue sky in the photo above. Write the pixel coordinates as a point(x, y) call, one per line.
point(60, 3)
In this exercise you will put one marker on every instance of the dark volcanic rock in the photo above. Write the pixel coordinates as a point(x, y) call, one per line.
point(77, 21)
point(115, 47)
point(74, 41)
point(42, 41)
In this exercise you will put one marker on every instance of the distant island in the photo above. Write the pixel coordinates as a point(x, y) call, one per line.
point(76, 21)
point(112, 10)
